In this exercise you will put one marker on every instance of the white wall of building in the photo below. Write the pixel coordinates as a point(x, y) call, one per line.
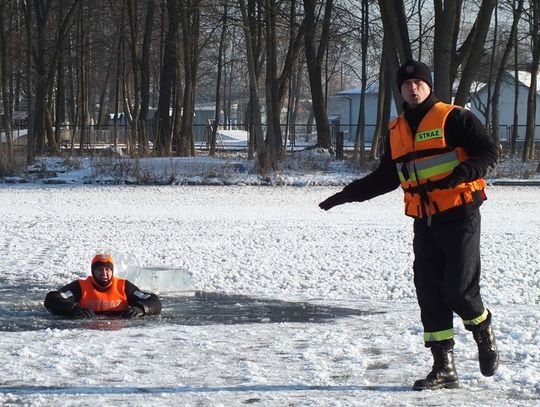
point(346, 104)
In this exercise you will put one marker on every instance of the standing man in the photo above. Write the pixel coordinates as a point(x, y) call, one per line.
point(438, 153)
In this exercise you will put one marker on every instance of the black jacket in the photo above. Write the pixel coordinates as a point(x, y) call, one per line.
point(462, 129)
point(64, 301)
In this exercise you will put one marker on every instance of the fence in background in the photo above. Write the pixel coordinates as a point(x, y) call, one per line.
point(236, 137)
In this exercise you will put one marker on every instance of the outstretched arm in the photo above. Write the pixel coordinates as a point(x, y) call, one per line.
point(384, 179)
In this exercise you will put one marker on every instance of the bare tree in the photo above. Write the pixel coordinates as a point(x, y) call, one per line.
point(119, 60)
point(478, 39)
point(41, 10)
point(528, 146)
point(399, 49)
point(516, 13)
point(276, 83)
point(75, 72)
point(60, 107)
point(395, 25)
point(82, 79)
point(6, 123)
point(447, 16)
point(250, 34)
point(45, 64)
point(359, 140)
point(314, 58)
point(294, 98)
point(167, 80)
point(190, 21)
point(31, 137)
point(145, 77)
point(515, 126)
point(448, 58)
point(384, 101)
point(221, 50)
point(136, 71)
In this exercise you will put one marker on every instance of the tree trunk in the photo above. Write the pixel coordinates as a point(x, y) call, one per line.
point(60, 110)
point(45, 69)
point(6, 122)
point(273, 108)
point(70, 61)
point(221, 51)
point(472, 63)
point(490, 115)
point(82, 83)
point(314, 63)
point(190, 22)
point(60, 107)
point(296, 95)
point(395, 25)
point(446, 24)
point(31, 135)
point(384, 101)
point(103, 107)
point(119, 63)
point(515, 125)
point(255, 109)
point(393, 15)
point(528, 146)
point(41, 10)
point(276, 85)
point(145, 78)
point(359, 140)
point(177, 107)
point(501, 70)
point(135, 65)
point(166, 82)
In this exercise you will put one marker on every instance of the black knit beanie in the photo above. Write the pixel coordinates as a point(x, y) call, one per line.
point(413, 70)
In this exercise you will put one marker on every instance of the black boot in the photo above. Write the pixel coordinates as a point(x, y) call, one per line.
point(443, 374)
point(488, 356)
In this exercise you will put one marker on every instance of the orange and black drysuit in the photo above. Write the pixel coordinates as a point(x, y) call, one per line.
point(115, 300)
point(439, 154)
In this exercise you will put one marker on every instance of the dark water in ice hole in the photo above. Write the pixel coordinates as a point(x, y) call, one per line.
point(21, 309)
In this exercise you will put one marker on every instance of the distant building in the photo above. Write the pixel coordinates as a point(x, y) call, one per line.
point(20, 119)
point(506, 103)
point(345, 105)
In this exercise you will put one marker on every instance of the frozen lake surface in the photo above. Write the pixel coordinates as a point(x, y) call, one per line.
point(290, 305)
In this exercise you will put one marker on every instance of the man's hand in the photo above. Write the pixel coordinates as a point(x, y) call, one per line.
point(334, 200)
point(81, 312)
point(134, 312)
point(455, 178)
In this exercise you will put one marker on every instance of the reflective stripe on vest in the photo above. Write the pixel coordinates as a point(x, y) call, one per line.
point(434, 167)
point(112, 299)
point(425, 157)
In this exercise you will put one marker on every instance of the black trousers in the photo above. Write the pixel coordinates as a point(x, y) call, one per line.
point(447, 273)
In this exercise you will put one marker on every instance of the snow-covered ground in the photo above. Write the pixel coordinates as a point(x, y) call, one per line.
point(315, 308)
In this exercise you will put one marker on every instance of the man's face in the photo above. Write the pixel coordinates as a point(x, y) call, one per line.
point(103, 275)
point(415, 91)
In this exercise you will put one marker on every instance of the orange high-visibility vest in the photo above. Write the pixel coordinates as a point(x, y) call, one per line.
point(425, 157)
point(112, 299)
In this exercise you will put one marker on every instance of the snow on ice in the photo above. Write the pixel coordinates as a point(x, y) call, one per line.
point(296, 306)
